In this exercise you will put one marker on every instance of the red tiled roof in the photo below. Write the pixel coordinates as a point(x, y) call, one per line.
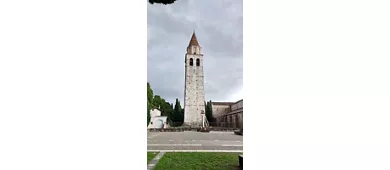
point(222, 103)
point(226, 103)
point(193, 41)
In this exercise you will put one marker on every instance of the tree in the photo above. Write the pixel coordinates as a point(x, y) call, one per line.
point(149, 102)
point(209, 111)
point(165, 107)
point(150, 94)
point(164, 2)
point(148, 115)
point(167, 110)
point(177, 116)
point(205, 106)
point(182, 116)
point(157, 102)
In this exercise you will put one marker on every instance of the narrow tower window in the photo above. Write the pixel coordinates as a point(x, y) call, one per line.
point(197, 62)
point(191, 62)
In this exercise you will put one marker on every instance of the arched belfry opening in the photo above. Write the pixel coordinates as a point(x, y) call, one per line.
point(197, 62)
point(191, 62)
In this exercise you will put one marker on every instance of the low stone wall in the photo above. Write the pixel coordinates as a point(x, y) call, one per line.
point(180, 129)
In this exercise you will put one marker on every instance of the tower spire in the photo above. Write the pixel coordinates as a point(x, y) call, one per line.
point(193, 41)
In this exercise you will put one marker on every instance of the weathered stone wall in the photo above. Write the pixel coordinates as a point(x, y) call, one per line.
point(219, 110)
point(232, 118)
point(237, 105)
point(240, 120)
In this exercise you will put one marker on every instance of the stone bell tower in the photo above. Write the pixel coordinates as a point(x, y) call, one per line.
point(194, 84)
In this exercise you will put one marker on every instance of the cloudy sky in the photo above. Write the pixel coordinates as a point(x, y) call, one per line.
point(218, 27)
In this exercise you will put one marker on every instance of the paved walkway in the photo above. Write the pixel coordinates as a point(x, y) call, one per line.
point(194, 142)
point(155, 160)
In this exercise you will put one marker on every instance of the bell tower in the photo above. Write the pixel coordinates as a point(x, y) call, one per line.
point(194, 84)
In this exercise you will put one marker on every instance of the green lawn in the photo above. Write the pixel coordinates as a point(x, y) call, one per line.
point(198, 161)
point(151, 155)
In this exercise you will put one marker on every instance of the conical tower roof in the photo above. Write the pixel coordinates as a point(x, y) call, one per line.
point(193, 40)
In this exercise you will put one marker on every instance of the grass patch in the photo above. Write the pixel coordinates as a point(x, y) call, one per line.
point(198, 161)
point(151, 155)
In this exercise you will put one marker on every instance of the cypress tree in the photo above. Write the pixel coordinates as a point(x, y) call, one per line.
point(177, 112)
point(209, 111)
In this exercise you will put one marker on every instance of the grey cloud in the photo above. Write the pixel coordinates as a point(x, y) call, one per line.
point(218, 25)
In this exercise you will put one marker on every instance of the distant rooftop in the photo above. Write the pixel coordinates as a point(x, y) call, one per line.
point(225, 103)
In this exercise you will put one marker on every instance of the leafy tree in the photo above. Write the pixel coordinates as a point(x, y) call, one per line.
point(165, 2)
point(157, 102)
point(165, 107)
point(150, 94)
point(149, 102)
point(148, 115)
point(167, 110)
